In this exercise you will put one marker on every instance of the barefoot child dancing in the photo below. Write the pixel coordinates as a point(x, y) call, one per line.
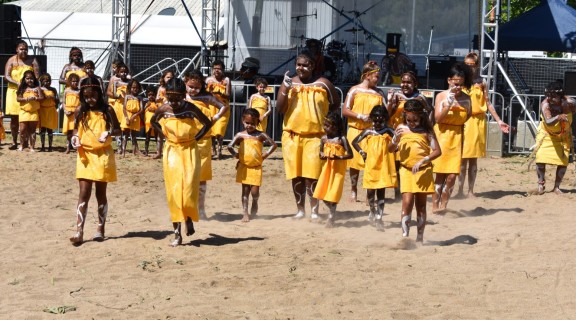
point(416, 146)
point(379, 170)
point(131, 121)
point(149, 110)
point(334, 148)
point(93, 129)
point(69, 105)
point(249, 167)
point(48, 113)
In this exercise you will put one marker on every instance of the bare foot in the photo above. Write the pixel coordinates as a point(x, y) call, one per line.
point(379, 225)
point(20, 149)
point(203, 216)
point(157, 156)
point(299, 215)
point(353, 197)
point(541, 189)
point(98, 236)
point(13, 147)
point(371, 216)
point(77, 239)
point(459, 195)
point(177, 241)
point(67, 150)
point(137, 152)
point(471, 195)
point(557, 191)
point(246, 218)
point(314, 217)
point(330, 223)
point(190, 227)
point(420, 238)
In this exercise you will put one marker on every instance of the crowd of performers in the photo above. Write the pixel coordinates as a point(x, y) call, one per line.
point(396, 138)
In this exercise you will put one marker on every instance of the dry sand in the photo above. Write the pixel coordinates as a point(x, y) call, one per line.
point(502, 255)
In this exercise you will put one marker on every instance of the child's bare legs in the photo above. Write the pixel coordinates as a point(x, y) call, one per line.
point(472, 171)
point(125, 135)
point(299, 189)
point(81, 209)
point(31, 130)
point(332, 214)
point(420, 215)
point(447, 190)
point(68, 141)
point(50, 139)
point(462, 177)
point(407, 205)
point(245, 198)
point(371, 195)
point(102, 210)
point(177, 234)
point(147, 141)
point(314, 203)
point(439, 183)
point(202, 201)
point(14, 126)
point(560, 171)
point(136, 151)
point(23, 136)
point(380, 211)
point(189, 227)
point(541, 173)
point(354, 174)
point(42, 139)
point(255, 192)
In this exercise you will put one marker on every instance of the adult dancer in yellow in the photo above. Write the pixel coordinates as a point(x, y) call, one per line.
point(181, 159)
point(475, 127)
point(304, 100)
point(554, 137)
point(451, 112)
point(94, 125)
point(75, 65)
point(13, 73)
point(360, 100)
point(219, 85)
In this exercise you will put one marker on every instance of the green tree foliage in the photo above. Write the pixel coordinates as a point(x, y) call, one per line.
point(518, 7)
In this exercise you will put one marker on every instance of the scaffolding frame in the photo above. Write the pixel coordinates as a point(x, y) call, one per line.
point(120, 43)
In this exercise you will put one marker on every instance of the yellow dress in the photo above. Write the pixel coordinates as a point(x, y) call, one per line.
point(81, 74)
point(412, 148)
point(379, 170)
point(161, 97)
point(331, 182)
point(449, 135)
point(302, 130)
point(48, 113)
point(150, 110)
point(204, 145)
point(181, 162)
point(219, 91)
point(553, 142)
point(132, 107)
point(398, 117)
point(249, 167)
point(260, 104)
point(72, 99)
point(475, 127)
point(119, 103)
point(364, 102)
point(29, 109)
point(95, 159)
point(12, 105)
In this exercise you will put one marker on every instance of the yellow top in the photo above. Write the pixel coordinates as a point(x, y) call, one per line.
point(12, 104)
point(179, 131)
point(206, 110)
point(380, 170)
point(331, 181)
point(72, 99)
point(307, 108)
point(30, 106)
point(398, 117)
point(412, 148)
point(477, 98)
point(364, 102)
point(17, 74)
point(48, 101)
point(250, 152)
point(81, 74)
point(95, 159)
point(259, 103)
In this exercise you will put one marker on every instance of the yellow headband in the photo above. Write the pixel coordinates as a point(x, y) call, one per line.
point(369, 72)
point(174, 92)
point(89, 86)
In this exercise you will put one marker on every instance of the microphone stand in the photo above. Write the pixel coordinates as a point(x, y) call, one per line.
point(428, 59)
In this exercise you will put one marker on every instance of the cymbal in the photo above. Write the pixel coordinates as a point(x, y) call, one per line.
point(357, 43)
point(353, 30)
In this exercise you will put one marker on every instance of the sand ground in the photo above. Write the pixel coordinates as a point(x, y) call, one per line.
point(502, 255)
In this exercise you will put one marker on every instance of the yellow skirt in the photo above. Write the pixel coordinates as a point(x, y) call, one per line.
point(219, 127)
point(248, 175)
point(331, 182)
point(68, 124)
point(182, 180)
point(421, 182)
point(475, 137)
point(357, 162)
point(26, 116)
point(134, 125)
point(301, 155)
point(12, 105)
point(205, 149)
point(97, 165)
point(450, 140)
point(48, 118)
point(553, 150)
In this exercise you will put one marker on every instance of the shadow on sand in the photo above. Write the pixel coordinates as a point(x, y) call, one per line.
point(463, 239)
point(218, 240)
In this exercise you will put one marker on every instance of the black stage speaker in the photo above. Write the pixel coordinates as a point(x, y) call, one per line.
point(570, 83)
point(10, 27)
point(393, 41)
point(438, 71)
point(42, 61)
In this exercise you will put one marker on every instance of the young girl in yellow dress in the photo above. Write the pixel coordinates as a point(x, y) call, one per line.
point(69, 105)
point(117, 91)
point(334, 148)
point(75, 65)
point(219, 85)
point(95, 165)
point(131, 121)
point(161, 94)
point(360, 100)
point(29, 95)
point(250, 156)
point(451, 112)
point(206, 102)
point(181, 158)
point(149, 110)
point(416, 146)
point(379, 171)
point(48, 111)
point(261, 102)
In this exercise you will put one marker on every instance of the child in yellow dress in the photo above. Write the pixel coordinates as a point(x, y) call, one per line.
point(117, 89)
point(416, 146)
point(29, 95)
point(206, 102)
point(131, 121)
point(94, 126)
point(149, 110)
point(261, 102)
point(250, 156)
point(334, 148)
point(181, 158)
point(379, 170)
point(161, 94)
point(219, 85)
point(69, 105)
point(48, 111)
